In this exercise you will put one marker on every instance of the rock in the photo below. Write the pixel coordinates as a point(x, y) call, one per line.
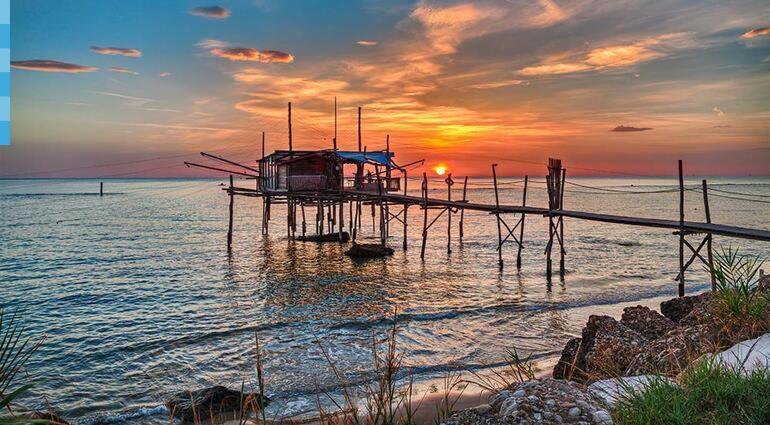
point(607, 348)
point(646, 322)
point(326, 237)
point(369, 251)
point(482, 409)
point(602, 417)
point(205, 402)
point(677, 308)
point(673, 352)
point(746, 356)
point(570, 363)
point(520, 393)
point(54, 418)
point(609, 391)
point(574, 412)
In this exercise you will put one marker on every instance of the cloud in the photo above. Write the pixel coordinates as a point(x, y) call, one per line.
point(757, 32)
point(213, 12)
point(721, 126)
point(211, 43)
point(498, 84)
point(616, 56)
point(366, 43)
point(122, 70)
point(248, 54)
point(120, 51)
point(718, 111)
point(164, 74)
point(46, 65)
point(131, 100)
point(624, 129)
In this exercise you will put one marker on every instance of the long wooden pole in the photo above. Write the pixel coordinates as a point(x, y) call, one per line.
point(101, 188)
point(230, 221)
point(425, 214)
point(387, 184)
point(562, 251)
point(290, 134)
point(521, 226)
point(335, 125)
point(462, 210)
point(497, 216)
point(359, 129)
point(406, 208)
point(449, 183)
point(681, 230)
point(709, 236)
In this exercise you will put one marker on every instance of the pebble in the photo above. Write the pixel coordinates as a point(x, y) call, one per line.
point(509, 407)
point(574, 412)
point(602, 417)
point(482, 409)
point(519, 393)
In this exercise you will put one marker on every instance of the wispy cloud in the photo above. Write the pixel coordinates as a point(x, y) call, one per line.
point(757, 32)
point(629, 129)
point(132, 100)
point(122, 70)
point(718, 111)
point(46, 65)
point(117, 51)
point(248, 54)
point(212, 12)
point(615, 56)
point(498, 84)
point(164, 74)
point(366, 43)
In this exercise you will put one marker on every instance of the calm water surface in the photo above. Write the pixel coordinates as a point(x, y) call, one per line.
point(139, 298)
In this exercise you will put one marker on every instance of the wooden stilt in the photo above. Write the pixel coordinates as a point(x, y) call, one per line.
point(497, 216)
point(449, 183)
point(521, 226)
point(230, 221)
point(406, 209)
point(304, 222)
point(462, 210)
point(288, 217)
point(562, 251)
point(709, 237)
point(342, 217)
point(681, 230)
point(425, 215)
point(101, 188)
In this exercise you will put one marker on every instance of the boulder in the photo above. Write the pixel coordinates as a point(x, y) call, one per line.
point(214, 401)
point(677, 308)
point(747, 356)
point(673, 352)
point(605, 349)
point(609, 391)
point(369, 251)
point(646, 322)
point(569, 363)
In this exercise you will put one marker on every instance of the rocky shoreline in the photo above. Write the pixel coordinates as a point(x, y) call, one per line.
point(614, 357)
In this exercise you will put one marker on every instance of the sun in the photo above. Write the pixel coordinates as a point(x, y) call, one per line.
point(440, 169)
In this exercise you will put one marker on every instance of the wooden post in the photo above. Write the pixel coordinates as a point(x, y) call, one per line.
point(562, 251)
point(230, 222)
point(263, 144)
point(288, 217)
point(359, 129)
point(449, 183)
point(342, 217)
point(101, 188)
point(382, 215)
point(290, 141)
point(425, 215)
point(497, 216)
point(550, 233)
point(681, 230)
point(406, 208)
point(304, 222)
point(320, 218)
point(521, 226)
point(709, 236)
point(462, 210)
point(334, 140)
point(387, 184)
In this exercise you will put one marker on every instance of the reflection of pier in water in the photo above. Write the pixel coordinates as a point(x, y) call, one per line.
point(302, 179)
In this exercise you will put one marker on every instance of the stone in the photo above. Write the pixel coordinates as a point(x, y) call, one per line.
point(509, 407)
point(602, 417)
point(608, 347)
point(519, 393)
point(482, 409)
point(574, 412)
point(207, 401)
point(746, 356)
point(648, 323)
point(369, 251)
point(673, 352)
point(569, 363)
point(610, 391)
point(677, 308)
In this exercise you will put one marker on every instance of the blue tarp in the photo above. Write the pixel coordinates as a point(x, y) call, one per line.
point(380, 158)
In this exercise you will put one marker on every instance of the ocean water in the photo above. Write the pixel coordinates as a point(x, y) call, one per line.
point(138, 297)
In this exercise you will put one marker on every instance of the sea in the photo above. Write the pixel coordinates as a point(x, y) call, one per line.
point(137, 297)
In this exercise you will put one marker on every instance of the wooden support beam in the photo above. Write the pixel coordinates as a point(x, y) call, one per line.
point(681, 230)
point(462, 209)
point(521, 226)
point(359, 129)
point(562, 251)
point(497, 216)
point(406, 208)
point(291, 147)
point(101, 188)
point(230, 221)
point(709, 236)
point(425, 215)
point(449, 184)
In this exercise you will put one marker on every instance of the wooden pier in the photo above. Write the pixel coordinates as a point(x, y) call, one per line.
point(316, 180)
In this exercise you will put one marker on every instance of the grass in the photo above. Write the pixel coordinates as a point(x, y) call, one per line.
point(708, 394)
point(741, 311)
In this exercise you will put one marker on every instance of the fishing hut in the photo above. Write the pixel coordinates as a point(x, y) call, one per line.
point(327, 182)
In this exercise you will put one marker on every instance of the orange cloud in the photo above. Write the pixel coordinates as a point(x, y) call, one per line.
point(122, 70)
point(625, 129)
point(757, 32)
point(119, 51)
point(45, 65)
point(213, 12)
point(248, 54)
point(164, 74)
point(366, 43)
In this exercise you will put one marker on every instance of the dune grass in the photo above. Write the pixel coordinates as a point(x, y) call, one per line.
point(708, 393)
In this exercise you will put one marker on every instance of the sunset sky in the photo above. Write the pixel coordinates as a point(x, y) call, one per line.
point(617, 85)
